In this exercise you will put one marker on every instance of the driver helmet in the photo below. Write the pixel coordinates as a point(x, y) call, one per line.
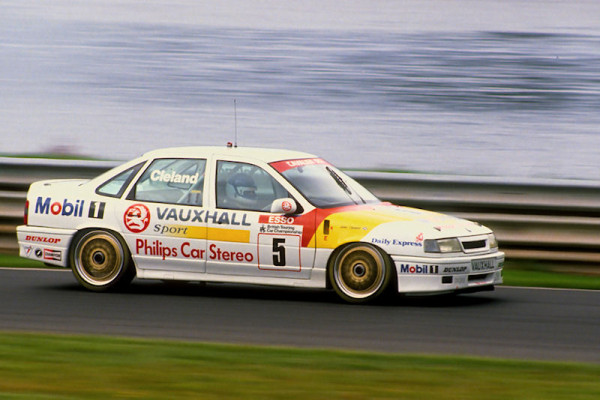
point(242, 190)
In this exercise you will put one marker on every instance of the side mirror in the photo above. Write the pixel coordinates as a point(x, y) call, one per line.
point(283, 206)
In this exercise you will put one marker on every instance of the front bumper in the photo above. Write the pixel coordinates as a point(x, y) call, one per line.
point(421, 275)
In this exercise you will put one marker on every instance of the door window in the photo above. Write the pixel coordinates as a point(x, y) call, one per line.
point(242, 186)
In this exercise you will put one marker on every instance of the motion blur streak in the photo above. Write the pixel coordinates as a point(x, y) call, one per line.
point(467, 87)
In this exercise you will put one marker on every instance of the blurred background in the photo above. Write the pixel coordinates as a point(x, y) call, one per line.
point(485, 87)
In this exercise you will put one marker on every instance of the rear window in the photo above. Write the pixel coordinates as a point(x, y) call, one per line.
point(115, 186)
point(175, 181)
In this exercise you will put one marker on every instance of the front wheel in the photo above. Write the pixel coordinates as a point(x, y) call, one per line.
point(101, 261)
point(360, 273)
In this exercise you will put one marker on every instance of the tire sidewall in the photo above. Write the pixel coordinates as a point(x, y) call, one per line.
point(122, 278)
point(387, 273)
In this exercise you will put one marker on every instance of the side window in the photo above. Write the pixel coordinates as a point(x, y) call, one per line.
point(177, 181)
point(242, 186)
point(115, 186)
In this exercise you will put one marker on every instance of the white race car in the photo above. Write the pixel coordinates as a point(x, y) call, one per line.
point(246, 215)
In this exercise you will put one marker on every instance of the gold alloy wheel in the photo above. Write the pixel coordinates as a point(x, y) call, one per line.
point(99, 258)
point(360, 272)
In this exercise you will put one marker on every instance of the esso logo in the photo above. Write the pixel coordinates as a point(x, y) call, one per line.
point(137, 218)
point(286, 206)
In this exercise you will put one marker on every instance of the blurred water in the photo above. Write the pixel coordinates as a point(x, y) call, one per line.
point(507, 88)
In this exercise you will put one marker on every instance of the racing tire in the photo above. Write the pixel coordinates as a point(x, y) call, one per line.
point(101, 261)
point(360, 273)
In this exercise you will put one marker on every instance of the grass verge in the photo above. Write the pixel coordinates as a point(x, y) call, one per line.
point(550, 275)
point(53, 366)
point(12, 261)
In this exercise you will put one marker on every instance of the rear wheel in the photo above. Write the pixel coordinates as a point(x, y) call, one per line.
point(360, 273)
point(101, 261)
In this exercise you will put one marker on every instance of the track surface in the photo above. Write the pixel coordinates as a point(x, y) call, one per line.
point(510, 322)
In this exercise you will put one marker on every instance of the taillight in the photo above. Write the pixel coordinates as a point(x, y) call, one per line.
point(26, 214)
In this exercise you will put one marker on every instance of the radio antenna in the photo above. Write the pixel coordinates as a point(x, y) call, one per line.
point(235, 117)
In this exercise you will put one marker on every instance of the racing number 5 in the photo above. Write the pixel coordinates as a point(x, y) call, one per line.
point(279, 252)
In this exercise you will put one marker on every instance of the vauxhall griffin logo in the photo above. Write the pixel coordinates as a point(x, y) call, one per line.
point(286, 206)
point(137, 218)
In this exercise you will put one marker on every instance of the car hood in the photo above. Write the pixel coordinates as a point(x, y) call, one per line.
point(384, 224)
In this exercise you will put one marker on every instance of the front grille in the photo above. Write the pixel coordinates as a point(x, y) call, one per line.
point(476, 244)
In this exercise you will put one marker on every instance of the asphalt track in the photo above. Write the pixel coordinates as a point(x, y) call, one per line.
point(540, 324)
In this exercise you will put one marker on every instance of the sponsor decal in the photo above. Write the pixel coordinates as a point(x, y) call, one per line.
point(276, 219)
point(137, 218)
point(158, 249)
point(96, 209)
point(42, 239)
point(279, 224)
point(38, 253)
point(454, 270)
point(202, 232)
point(419, 237)
point(395, 242)
point(52, 255)
point(282, 166)
point(66, 208)
point(483, 265)
point(381, 241)
point(187, 250)
point(27, 250)
point(355, 228)
point(171, 230)
point(283, 229)
point(69, 208)
point(155, 249)
point(419, 269)
point(404, 243)
point(201, 216)
point(286, 206)
point(173, 177)
point(215, 253)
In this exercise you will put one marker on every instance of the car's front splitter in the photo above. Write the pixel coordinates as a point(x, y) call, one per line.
point(445, 275)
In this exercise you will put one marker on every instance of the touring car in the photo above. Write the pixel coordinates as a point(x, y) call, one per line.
point(248, 215)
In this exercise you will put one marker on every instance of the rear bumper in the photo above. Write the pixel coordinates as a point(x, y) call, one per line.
point(48, 245)
point(447, 275)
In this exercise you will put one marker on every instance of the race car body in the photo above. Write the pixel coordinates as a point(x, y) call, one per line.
point(246, 215)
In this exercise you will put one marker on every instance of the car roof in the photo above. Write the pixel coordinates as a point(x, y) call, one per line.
point(263, 154)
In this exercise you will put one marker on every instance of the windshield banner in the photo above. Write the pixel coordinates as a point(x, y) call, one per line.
point(282, 166)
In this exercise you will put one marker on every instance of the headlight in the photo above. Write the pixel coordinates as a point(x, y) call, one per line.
point(451, 245)
point(492, 241)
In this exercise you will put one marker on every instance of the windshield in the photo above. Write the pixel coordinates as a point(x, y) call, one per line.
point(322, 184)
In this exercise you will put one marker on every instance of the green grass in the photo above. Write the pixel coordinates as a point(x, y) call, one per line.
point(74, 367)
point(12, 261)
point(532, 278)
point(550, 275)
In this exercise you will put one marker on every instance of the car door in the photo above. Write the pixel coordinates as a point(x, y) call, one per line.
point(162, 216)
point(243, 236)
